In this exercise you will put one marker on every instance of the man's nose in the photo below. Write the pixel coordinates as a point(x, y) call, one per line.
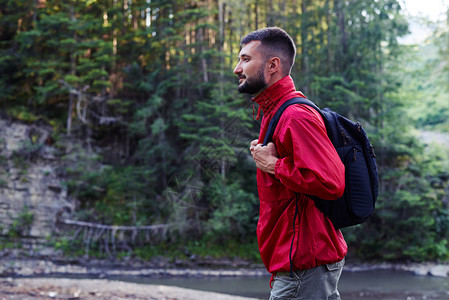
point(237, 69)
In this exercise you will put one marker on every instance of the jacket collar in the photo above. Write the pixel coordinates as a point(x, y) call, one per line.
point(268, 99)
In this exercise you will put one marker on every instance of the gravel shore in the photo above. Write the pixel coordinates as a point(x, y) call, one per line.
point(98, 289)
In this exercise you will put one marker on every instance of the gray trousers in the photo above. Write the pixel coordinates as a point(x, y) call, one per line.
point(319, 283)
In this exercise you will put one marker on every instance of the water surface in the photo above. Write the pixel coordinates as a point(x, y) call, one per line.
point(353, 285)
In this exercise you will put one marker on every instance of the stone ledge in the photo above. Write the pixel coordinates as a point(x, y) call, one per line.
point(34, 267)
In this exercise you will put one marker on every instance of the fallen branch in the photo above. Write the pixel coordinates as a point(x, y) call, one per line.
point(114, 227)
point(111, 234)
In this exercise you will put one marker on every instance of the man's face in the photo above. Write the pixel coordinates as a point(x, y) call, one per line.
point(251, 69)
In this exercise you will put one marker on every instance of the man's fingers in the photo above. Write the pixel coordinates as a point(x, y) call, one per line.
point(253, 145)
point(271, 149)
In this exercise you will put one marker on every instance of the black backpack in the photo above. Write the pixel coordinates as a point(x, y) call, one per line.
point(357, 154)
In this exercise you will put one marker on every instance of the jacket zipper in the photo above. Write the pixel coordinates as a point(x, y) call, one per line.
point(293, 238)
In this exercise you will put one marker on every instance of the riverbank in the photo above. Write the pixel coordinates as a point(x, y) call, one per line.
point(12, 266)
point(58, 278)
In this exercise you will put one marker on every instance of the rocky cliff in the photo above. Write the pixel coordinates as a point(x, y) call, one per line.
point(31, 195)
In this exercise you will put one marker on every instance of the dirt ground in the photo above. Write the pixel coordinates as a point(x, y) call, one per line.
point(90, 289)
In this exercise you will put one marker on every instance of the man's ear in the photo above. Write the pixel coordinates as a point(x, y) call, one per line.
point(274, 65)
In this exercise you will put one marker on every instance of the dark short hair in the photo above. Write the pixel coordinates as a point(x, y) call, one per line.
point(276, 42)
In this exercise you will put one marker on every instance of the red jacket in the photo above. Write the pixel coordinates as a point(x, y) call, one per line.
point(308, 165)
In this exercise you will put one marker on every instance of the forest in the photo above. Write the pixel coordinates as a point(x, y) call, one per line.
point(143, 92)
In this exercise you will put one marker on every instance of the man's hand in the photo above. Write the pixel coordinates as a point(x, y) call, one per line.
point(264, 156)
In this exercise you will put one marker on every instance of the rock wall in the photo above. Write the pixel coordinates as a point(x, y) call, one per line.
point(29, 185)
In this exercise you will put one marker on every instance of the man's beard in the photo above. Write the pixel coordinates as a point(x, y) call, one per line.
point(253, 85)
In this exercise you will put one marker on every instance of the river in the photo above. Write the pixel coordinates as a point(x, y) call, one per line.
point(372, 285)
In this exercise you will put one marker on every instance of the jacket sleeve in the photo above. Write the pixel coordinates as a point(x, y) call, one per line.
point(309, 163)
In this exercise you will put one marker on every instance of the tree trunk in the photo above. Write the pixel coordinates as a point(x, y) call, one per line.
point(72, 72)
point(200, 35)
point(304, 46)
point(256, 23)
point(340, 11)
point(329, 37)
point(270, 11)
point(221, 66)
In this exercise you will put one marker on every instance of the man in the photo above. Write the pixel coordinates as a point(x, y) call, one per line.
point(298, 244)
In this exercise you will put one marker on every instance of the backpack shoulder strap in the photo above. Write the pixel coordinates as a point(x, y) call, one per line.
point(275, 120)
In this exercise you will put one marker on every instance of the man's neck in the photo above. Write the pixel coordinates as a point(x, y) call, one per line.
point(273, 79)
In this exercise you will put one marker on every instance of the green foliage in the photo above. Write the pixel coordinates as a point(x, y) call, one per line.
point(22, 113)
point(229, 248)
point(68, 247)
point(201, 249)
point(425, 84)
point(160, 250)
point(83, 172)
point(127, 199)
point(115, 195)
point(21, 225)
point(75, 248)
point(234, 211)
